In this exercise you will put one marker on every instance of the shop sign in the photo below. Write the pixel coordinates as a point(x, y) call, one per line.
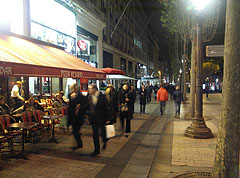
point(82, 45)
point(5, 70)
point(71, 74)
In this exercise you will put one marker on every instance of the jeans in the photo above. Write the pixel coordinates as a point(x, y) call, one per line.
point(162, 106)
point(177, 108)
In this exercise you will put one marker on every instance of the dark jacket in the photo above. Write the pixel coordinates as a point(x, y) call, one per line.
point(99, 113)
point(177, 96)
point(122, 99)
point(73, 102)
point(143, 96)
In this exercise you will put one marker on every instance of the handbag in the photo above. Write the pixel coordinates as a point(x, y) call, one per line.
point(124, 107)
point(110, 131)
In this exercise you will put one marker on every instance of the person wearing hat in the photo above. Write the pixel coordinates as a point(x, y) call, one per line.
point(177, 96)
point(15, 97)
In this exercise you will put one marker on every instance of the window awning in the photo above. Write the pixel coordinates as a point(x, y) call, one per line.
point(20, 57)
point(119, 77)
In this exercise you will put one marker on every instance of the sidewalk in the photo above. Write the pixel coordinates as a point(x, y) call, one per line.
point(177, 154)
point(155, 148)
point(130, 156)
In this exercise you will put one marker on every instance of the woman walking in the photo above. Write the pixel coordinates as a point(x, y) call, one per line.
point(126, 100)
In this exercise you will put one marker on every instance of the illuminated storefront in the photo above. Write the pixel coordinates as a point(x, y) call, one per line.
point(51, 22)
point(87, 46)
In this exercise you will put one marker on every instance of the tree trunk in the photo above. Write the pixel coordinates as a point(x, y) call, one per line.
point(227, 150)
point(193, 76)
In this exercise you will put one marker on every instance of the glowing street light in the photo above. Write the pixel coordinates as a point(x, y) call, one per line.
point(200, 5)
point(198, 128)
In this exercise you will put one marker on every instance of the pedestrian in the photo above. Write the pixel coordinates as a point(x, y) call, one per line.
point(126, 100)
point(143, 96)
point(16, 99)
point(155, 88)
point(99, 116)
point(149, 93)
point(76, 110)
point(207, 90)
point(133, 91)
point(112, 98)
point(162, 97)
point(177, 96)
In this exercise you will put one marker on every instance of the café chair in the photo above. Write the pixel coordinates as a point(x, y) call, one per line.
point(7, 136)
point(27, 116)
point(38, 115)
point(6, 143)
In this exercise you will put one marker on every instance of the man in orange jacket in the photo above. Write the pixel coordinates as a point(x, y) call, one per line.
point(162, 96)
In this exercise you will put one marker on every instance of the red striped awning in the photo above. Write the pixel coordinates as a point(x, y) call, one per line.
point(20, 57)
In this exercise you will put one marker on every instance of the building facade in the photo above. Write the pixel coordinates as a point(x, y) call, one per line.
point(128, 43)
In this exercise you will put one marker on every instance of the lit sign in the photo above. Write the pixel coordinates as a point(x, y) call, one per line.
point(71, 74)
point(82, 45)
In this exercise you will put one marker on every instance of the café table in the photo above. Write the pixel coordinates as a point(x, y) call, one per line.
point(52, 118)
point(24, 126)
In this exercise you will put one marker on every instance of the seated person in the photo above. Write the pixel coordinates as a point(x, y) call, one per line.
point(4, 108)
point(58, 104)
point(32, 104)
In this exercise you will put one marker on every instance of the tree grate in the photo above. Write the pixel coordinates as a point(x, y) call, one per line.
point(195, 175)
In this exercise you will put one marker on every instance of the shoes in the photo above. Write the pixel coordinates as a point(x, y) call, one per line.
point(104, 146)
point(126, 135)
point(77, 147)
point(95, 153)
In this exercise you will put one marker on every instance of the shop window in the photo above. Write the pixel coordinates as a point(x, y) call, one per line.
point(55, 86)
point(46, 87)
point(34, 86)
point(130, 66)
point(123, 64)
point(87, 49)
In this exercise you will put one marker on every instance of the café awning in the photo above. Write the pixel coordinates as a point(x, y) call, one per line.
point(20, 57)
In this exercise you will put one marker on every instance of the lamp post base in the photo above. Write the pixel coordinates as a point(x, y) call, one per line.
point(198, 129)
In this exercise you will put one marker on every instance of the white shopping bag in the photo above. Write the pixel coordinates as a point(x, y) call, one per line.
point(110, 131)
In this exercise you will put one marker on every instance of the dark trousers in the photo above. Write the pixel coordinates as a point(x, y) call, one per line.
point(162, 106)
point(126, 115)
point(76, 125)
point(95, 129)
point(149, 98)
point(142, 108)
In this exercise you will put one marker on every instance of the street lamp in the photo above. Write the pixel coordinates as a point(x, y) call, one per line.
point(198, 128)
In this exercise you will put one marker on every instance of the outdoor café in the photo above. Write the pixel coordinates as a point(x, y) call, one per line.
point(43, 70)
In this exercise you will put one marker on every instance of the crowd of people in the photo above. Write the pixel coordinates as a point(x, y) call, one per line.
point(97, 108)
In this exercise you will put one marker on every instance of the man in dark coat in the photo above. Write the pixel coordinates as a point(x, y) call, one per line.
point(98, 109)
point(143, 97)
point(76, 110)
point(177, 96)
point(149, 93)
